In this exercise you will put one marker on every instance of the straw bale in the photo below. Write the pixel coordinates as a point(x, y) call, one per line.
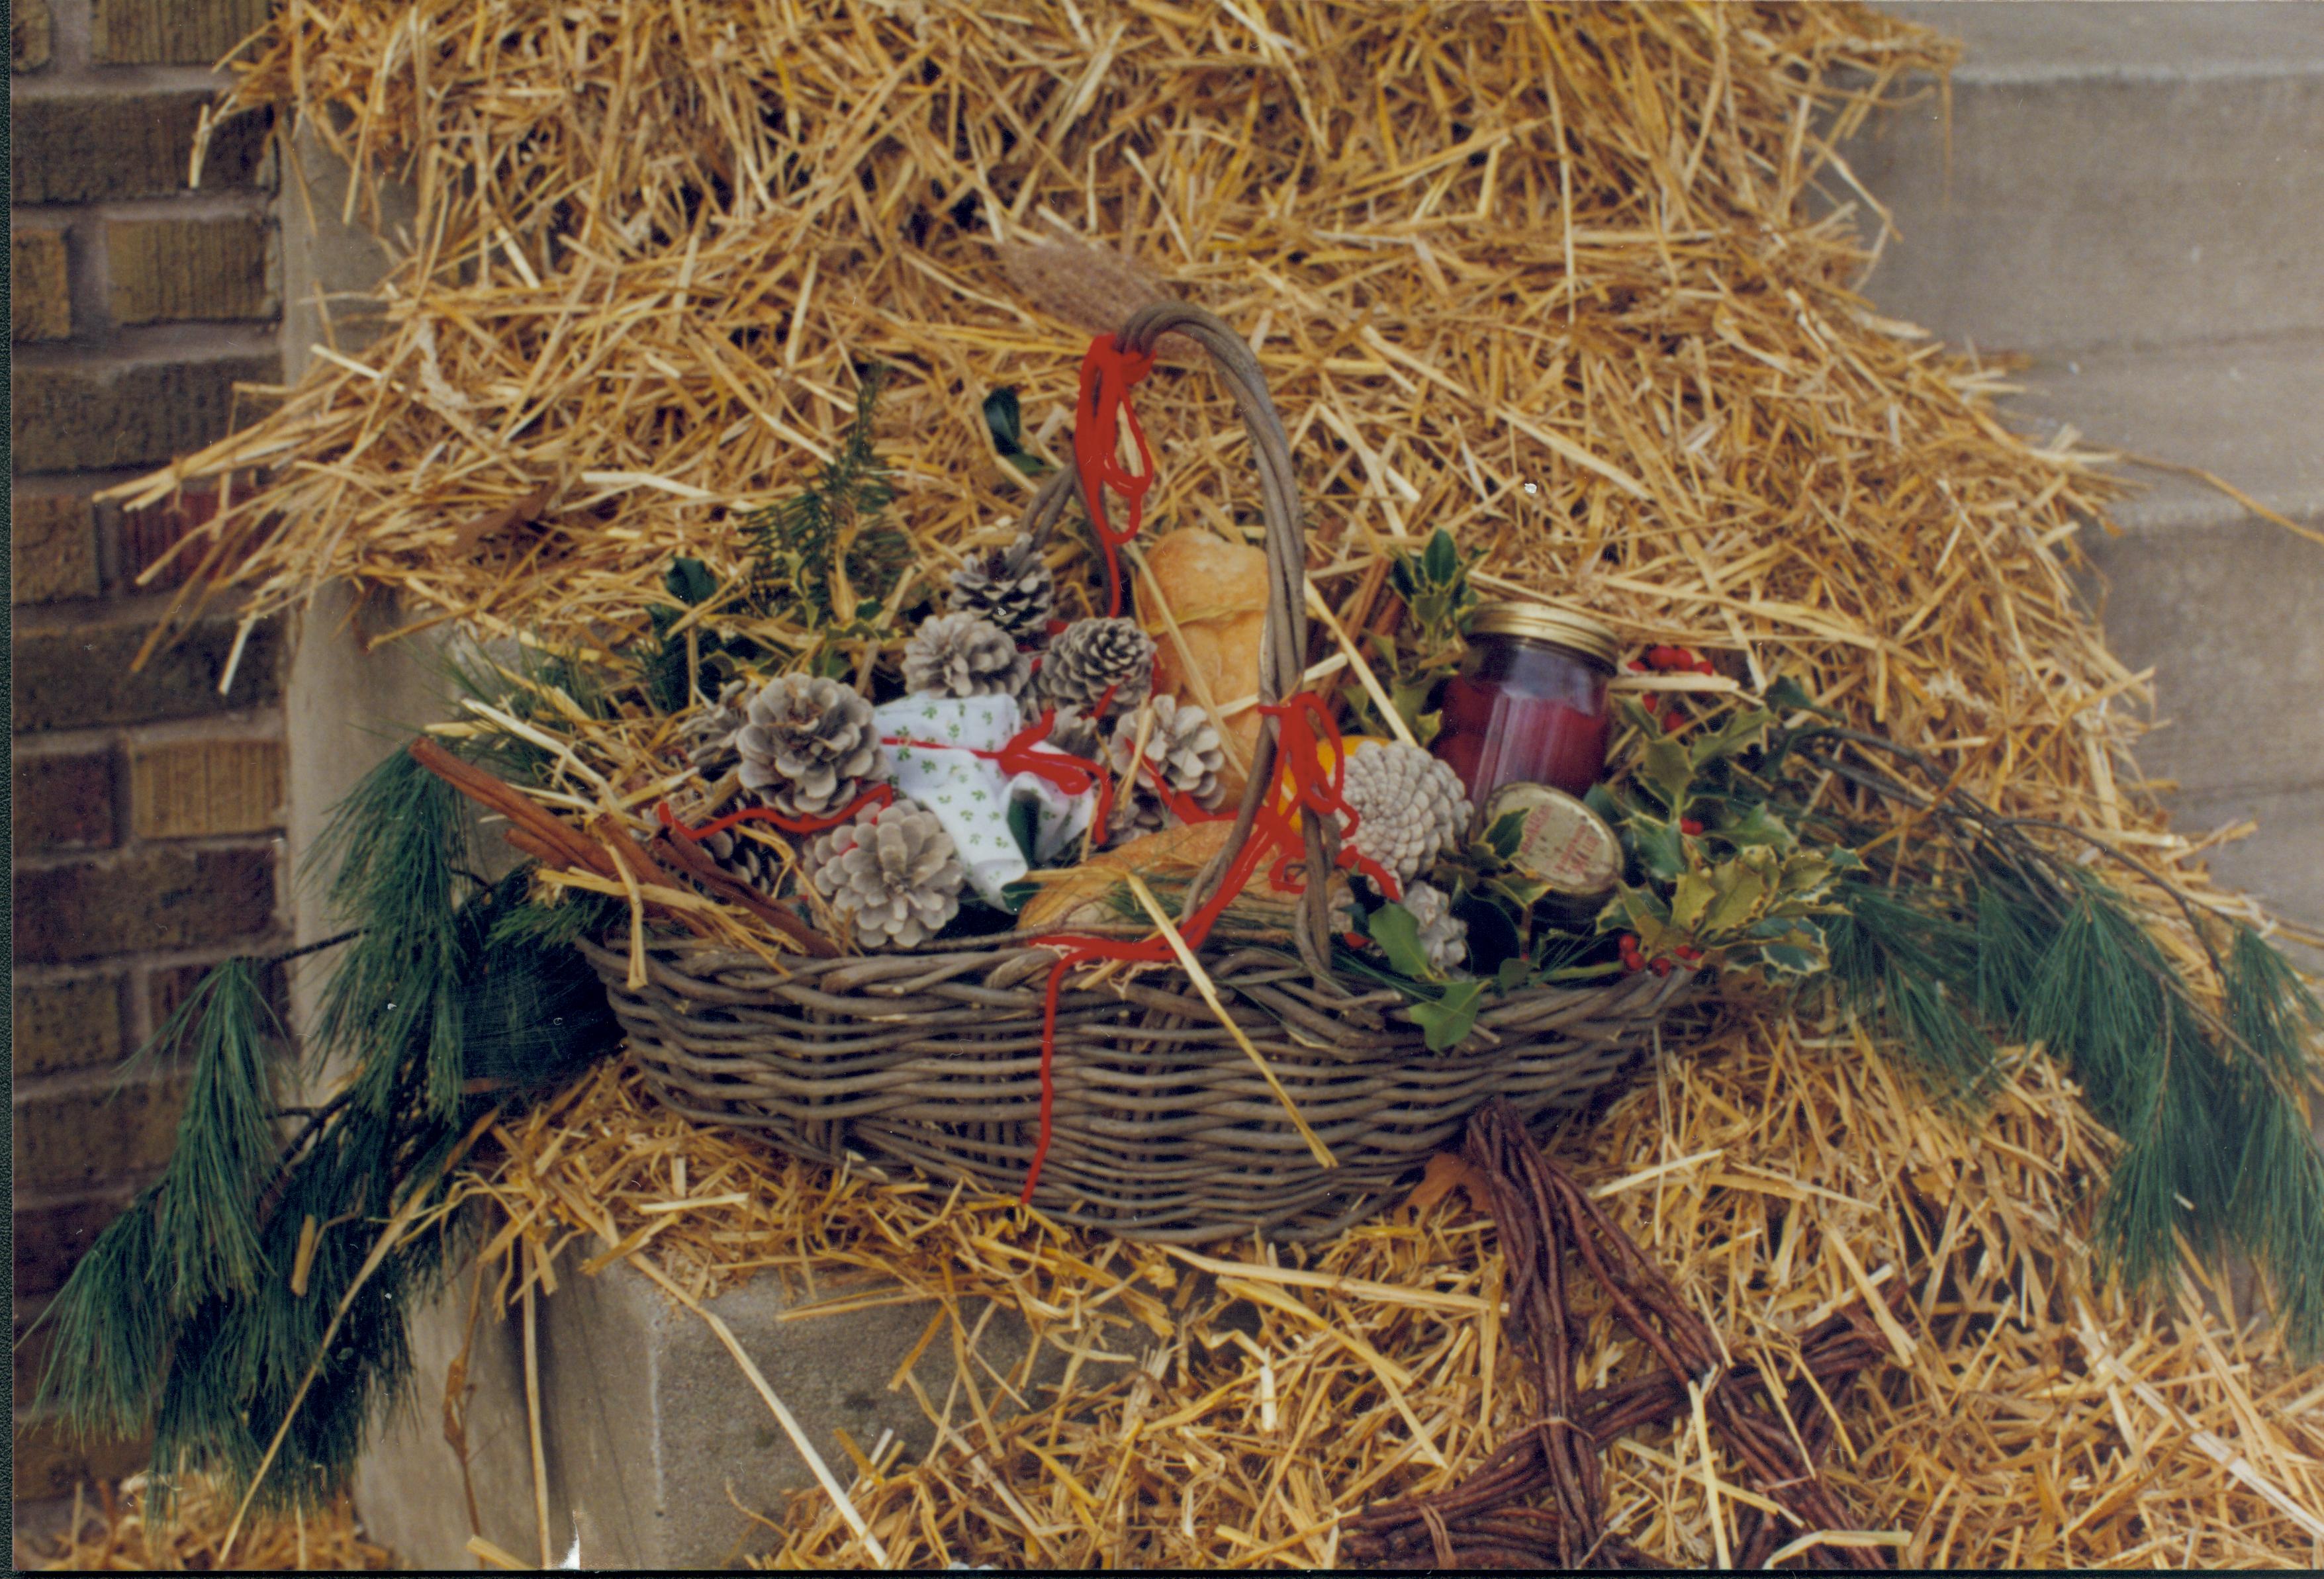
point(1549, 277)
point(118, 1533)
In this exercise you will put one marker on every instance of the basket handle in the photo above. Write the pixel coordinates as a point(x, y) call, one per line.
point(1283, 642)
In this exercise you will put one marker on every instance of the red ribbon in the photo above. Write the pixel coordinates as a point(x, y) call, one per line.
point(1108, 372)
point(879, 794)
point(1304, 725)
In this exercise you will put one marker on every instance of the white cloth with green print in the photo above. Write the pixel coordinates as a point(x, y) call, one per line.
point(970, 795)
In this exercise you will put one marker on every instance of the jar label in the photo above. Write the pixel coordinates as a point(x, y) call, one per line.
point(1559, 840)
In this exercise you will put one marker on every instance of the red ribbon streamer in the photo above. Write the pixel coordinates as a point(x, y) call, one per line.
point(1068, 774)
point(879, 794)
point(1108, 373)
point(1305, 724)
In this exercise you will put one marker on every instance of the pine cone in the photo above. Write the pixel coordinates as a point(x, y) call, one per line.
point(892, 872)
point(1183, 746)
point(745, 859)
point(1011, 587)
point(1071, 730)
point(708, 733)
point(806, 745)
point(1443, 936)
point(1091, 655)
point(964, 655)
point(1410, 808)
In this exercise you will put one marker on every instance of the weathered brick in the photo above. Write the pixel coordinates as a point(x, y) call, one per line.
point(53, 1236)
point(164, 271)
point(81, 678)
point(82, 1139)
point(90, 147)
point(64, 801)
point(53, 548)
point(197, 788)
point(67, 1026)
point(170, 32)
point(89, 418)
point(167, 986)
point(40, 302)
point(28, 35)
point(165, 898)
point(148, 535)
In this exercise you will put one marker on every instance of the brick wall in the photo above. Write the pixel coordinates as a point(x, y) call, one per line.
point(148, 808)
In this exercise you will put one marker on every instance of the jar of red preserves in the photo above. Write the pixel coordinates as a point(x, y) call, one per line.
point(1529, 705)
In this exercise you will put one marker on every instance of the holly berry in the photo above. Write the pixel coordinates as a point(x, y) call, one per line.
point(1689, 827)
point(1672, 720)
point(1660, 967)
point(1688, 953)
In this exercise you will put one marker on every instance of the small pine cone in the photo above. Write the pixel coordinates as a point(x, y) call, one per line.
point(745, 859)
point(807, 744)
point(1011, 587)
point(964, 655)
point(708, 734)
point(1091, 655)
point(1410, 808)
point(1183, 746)
point(893, 873)
point(1071, 729)
point(1443, 936)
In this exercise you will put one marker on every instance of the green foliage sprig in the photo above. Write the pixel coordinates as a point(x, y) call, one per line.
point(1427, 644)
point(819, 561)
point(201, 1312)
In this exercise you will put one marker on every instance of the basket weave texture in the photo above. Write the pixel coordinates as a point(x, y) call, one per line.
point(1162, 1126)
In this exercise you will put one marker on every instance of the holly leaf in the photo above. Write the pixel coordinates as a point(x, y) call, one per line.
point(1021, 828)
point(1740, 897)
point(1397, 933)
point(1440, 560)
point(1668, 772)
point(1733, 736)
point(1449, 1020)
point(1692, 898)
point(1788, 695)
point(1002, 417)
point(1601, 800)
point(1757, 826)
point(689, 581)
point(1502, 835)
point(1661, 851)
point(1512, 974)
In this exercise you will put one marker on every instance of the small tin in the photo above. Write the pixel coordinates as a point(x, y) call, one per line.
point(1561, 842)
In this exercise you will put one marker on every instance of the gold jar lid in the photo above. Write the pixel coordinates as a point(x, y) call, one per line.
point(1577, 633)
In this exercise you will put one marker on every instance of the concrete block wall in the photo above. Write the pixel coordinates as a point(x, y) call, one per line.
point(148, 808)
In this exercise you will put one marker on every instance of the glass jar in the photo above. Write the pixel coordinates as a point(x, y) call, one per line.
point(1529, 705)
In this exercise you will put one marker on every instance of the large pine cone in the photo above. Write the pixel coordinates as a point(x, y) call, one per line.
point(893, 873)
point(1011, 587)
point(964, 655)
point(1092, 655)
point(1410, 808)
point(1183, 745)
point(807, 744)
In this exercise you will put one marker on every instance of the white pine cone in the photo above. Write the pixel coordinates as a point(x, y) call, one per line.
point(1011, 587)
point(1183, 746)
point(1443, 936)
point(708, 732)
point(1071, 729)
point(1091, 655)
point(1410, 808)
point(964, 655)
point(892, 872)
point(807, 744)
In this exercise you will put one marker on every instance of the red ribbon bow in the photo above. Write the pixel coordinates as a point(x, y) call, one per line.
point(1108, 373)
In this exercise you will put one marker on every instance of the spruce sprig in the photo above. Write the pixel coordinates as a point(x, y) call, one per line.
point(809, 564)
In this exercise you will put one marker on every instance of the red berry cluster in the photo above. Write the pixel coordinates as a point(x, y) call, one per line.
point(1669, 660)
point(1661, 965)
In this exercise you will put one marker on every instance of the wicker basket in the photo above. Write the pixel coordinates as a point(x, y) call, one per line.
point(1162, 1126)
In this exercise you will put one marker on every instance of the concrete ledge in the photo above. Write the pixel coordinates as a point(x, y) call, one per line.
point(650, 1432)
